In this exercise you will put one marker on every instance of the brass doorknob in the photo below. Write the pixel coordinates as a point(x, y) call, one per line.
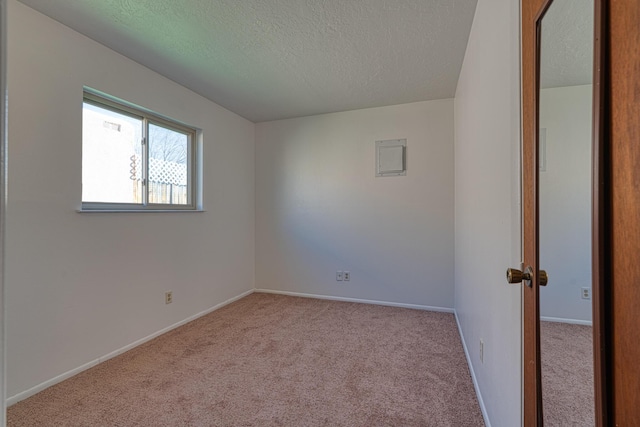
point(543, 278)
point(516, 276)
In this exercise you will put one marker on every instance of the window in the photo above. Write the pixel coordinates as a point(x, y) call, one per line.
point(133, 159)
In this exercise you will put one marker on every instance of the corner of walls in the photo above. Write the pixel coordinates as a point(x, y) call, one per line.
point(321, 209)
point(474, 378)
point(487, 208)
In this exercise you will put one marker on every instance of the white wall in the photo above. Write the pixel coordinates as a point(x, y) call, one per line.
point(487, 213)
point(3, 146)
point(79, 286)
point(565, 202)
point(320, 208)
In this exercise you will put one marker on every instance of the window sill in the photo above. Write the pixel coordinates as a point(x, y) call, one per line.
point(90, 211)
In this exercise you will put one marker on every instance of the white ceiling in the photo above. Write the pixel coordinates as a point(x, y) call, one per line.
point(274, 59)
point(566, 50)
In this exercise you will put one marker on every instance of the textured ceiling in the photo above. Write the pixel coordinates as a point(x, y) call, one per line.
point(567, 44)
point(273, 59)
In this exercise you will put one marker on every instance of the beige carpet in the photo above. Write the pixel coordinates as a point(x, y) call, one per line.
point(270, 360)
point(567, 374)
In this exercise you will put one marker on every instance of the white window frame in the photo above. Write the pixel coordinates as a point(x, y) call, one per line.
point(194, 198)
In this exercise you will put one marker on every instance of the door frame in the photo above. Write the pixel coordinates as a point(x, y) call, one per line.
point(621, 237)
point(600, 246)
point(532, 12)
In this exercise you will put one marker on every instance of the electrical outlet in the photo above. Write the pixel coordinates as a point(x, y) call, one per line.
point(481, 351)
point(339, 276)
point(347, 276)
point(586, 293)
point(168, 297)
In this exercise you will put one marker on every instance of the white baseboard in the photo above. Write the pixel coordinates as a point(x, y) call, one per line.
point(562, 320)
point(33, 390)
point(483, 408)
point(363, 301)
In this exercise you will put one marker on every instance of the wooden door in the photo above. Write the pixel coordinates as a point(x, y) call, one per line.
point(623, 293)
point(532, 405)
point(616, 212)
point(532, 12)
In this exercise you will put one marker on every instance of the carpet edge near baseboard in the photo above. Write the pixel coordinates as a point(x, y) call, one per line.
point(483, 408)
point(565, 320)
point(358, 300)
point(59, 378)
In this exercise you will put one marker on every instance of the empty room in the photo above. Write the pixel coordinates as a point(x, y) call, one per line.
point(300, 213)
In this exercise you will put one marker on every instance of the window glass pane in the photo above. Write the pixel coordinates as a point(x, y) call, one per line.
point(168, 166)
point(111, 156)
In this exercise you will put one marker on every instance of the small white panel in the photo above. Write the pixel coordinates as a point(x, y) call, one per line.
point(391, 157)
